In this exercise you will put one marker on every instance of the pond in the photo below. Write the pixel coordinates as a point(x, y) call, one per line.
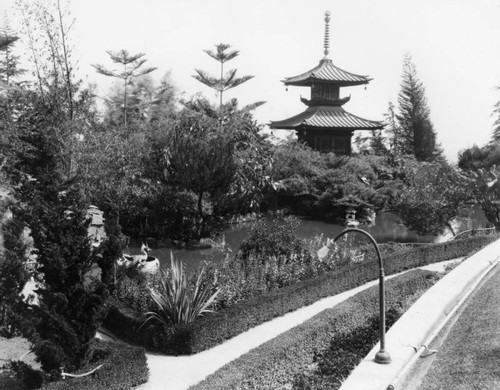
point(387, 228)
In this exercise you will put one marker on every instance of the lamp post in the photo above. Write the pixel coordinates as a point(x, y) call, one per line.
point(382, 356)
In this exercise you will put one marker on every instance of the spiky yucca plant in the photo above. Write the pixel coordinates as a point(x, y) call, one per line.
point(177, 302)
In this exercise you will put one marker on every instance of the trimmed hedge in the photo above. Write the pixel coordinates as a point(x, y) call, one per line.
point(214, 328)
point(280, 362)
point(124, 368)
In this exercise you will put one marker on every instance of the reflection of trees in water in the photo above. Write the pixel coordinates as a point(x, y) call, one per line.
point(387, 228)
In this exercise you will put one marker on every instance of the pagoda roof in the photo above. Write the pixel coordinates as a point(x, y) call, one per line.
point(328, 73)
point(326, 117)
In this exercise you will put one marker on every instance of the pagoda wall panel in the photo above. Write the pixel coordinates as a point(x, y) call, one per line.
point(332, 140)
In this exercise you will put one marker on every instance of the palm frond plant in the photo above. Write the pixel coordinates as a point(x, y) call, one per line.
point(176, 301)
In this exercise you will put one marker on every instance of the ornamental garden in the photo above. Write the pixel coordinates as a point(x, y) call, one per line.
point(82, 182)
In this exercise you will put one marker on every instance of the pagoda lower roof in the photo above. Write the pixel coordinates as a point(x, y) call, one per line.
point(328, 73)
point(326, 117)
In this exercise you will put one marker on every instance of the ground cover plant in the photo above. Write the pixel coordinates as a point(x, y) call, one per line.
point(308, 355)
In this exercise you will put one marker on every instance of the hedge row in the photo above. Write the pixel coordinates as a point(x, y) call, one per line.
point(281, 362)
point(124, 368)
point(214, 328)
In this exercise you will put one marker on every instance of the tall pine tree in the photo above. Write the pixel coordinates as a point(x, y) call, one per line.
point(417, 134)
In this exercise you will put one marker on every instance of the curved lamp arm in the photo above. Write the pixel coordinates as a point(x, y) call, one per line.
point(382, 356)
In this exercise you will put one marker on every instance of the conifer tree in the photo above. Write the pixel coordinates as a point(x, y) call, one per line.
point(496, 125)
point(223, 82)
point(69, 312)
point(132, 64)
point(418, 137)
point(9, 63)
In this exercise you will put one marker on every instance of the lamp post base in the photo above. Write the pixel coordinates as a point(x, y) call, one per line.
point(382, 357)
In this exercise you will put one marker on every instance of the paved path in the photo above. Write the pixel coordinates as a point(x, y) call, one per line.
point(178, 373)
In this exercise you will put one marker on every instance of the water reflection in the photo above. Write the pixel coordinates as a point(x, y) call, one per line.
point(387, 228)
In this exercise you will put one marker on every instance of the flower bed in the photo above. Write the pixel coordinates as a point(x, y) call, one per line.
point(324, 349)
point(214, 328)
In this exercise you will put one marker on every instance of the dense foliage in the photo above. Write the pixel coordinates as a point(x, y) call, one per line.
point(69, 312)
point(432, 196)
point(324, 185)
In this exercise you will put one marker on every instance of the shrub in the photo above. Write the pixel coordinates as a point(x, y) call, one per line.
point(124, 367)
point(276, 363)
point(272, 237)
point(270, 258)
point(33, 379)
point(133, 292)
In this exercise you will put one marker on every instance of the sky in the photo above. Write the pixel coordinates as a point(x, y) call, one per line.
point(455, 45)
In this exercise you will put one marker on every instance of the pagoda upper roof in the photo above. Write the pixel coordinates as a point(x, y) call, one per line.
point(328, 73)
point(326, 117)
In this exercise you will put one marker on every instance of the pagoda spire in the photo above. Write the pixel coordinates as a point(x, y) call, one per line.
point(326, 43)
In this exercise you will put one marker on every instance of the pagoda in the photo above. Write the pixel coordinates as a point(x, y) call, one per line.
point(325, 125)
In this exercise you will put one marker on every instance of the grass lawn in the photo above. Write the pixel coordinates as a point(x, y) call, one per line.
point(469, 358)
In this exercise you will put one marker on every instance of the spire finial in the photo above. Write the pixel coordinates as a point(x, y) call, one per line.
point(327, 34)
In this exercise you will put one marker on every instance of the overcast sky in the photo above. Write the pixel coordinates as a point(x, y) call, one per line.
point(455, 45)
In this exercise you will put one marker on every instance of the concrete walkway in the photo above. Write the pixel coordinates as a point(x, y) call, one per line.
point(420, 324)
point(178, 373)
point(468, 346)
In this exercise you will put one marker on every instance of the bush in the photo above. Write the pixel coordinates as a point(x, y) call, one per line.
point(33, 379)
point(133, 292)
point(124, 367)
point(281, 361)
point(214, 328)
point(272, 237)
point(270, 258)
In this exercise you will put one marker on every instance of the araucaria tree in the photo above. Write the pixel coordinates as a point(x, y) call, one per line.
point(223, 82)
point(417, 134)
point(132, 64)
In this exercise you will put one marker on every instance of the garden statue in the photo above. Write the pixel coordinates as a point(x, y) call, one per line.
point(350, 218)
point(143, 263)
